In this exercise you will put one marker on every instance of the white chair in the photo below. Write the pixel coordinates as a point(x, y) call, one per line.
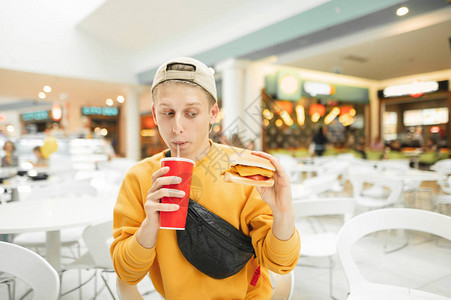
point(321, 183)
point(10, 283)
point(412, 187)
point(393, 164)
point(322, 242)
point(96, 238)
point(338, 168)
point(31, 268)
point(442, 166)
point(444, 198)
point(392, 190)
point(386, 219)
point(290, 165)
point(283, 285)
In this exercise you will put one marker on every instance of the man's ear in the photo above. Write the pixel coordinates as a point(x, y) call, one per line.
point(154, 115)
point(214, 113)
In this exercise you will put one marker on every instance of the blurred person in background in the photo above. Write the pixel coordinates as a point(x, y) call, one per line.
point(41, 161)
point(320, 141)
point(360, 147)
point(9, 160)
point(377, 144)
point(393, 151)
point(109, 149)
point(430, 146)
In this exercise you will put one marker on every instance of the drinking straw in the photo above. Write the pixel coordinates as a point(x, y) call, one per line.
point(178, 150)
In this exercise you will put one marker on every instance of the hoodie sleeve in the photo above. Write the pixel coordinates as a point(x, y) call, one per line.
point(274, 254)
point(131, 260)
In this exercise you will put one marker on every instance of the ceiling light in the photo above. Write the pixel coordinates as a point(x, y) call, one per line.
point(286, 118)
point(331, 115)
point(300, 113)
point(402, 11)
point(109, 102)
point(315, 117)
point(47, 88)
point(41, 95)
point(120, 99)
point(268, 114)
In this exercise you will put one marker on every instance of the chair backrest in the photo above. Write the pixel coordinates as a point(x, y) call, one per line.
point(321, 183)
point(445, 184)
point(393, 164)
point(334, 167)
point(31, 268)
point(325, 206)
point(442, 166)
point(96, 238)
point(383, 219)
point(395, 187)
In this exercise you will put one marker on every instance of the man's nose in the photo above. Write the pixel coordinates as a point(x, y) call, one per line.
point(178, 127)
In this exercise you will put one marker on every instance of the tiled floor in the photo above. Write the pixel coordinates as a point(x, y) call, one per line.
point(420, 265)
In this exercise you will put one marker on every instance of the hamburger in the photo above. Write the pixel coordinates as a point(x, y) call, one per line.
point(249, 169)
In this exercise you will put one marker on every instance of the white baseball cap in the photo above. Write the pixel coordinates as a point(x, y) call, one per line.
point(201, 75)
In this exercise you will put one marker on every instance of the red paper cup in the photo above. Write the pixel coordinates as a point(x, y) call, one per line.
point(183, 168)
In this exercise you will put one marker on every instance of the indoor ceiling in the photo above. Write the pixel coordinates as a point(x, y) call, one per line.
point(423, 50)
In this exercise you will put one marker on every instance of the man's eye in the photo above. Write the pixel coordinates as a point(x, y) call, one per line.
point(169, 113)
point(191, 114)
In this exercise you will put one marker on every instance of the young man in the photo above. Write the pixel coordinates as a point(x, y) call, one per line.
point(184, 95)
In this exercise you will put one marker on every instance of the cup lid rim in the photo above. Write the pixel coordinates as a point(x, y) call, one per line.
point(178, 159)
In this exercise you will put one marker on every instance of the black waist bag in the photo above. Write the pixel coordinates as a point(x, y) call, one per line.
point(212, 245)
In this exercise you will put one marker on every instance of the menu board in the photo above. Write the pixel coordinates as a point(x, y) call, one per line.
point(428, 116)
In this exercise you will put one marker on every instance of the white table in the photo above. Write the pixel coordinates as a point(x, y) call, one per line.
point(14, 183)
point(52, 215)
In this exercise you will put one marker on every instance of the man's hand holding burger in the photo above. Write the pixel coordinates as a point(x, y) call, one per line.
point(275, 190)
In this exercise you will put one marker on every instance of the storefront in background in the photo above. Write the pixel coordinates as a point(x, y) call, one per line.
point(151, 142)
point(34, 122)
point(416, 113)
point(101, 122)
point(295, 109)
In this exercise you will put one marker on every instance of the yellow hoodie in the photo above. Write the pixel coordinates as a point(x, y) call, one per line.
point(172, 275)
